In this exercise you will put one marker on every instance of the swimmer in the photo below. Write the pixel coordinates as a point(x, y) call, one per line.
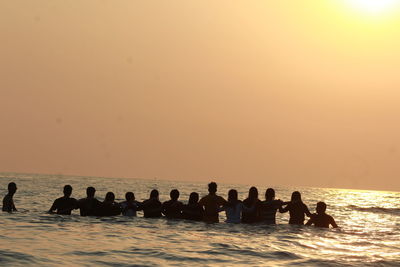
point(130, 206)
point(251, 215)
point(212, 204)
point(90, 204)
point(109, 207)
point(64, 205)
point(321, 219)
point(152, 206)
point(8, 201)
point(297, 209)
point(172, 209)
point(235, 207)
point(193, 210)
point(269, 207)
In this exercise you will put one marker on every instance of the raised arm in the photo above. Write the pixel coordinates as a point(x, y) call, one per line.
point(306, 210)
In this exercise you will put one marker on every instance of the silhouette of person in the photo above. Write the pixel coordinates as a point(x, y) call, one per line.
point(251, 215)
point(321, 219)
point(109, 207)
point(89, 204)
point(212, 204)
point(64, 205)
point(193, 210)
point(8, 201)
point(172, 208)
point(234, 207)
point(297, 209)
point(269, 207)
point(130, 206)
point(152, 206)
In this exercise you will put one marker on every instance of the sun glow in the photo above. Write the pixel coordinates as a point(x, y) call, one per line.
point(374, 6)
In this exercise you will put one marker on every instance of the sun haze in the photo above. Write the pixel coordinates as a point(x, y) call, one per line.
point(266, 92)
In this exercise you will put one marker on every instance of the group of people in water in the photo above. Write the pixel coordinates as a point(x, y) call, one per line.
point(251, 210)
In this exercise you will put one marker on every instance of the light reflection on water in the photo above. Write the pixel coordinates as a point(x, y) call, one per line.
point(369, 234)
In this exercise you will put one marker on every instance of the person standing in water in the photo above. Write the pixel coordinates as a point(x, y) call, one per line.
point(8, 201)
point(172, 208)
point(109, 207)
point(152, 206)
point(251, 215)
point(212, 204)
point(321, 219)
point(235, 207)
point(297, 209)
point(64, 205)
point(130, 206)
point(193, 210)
point(89, 205)
point(269, 207)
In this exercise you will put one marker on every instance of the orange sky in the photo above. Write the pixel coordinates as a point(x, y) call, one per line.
point(268, 92)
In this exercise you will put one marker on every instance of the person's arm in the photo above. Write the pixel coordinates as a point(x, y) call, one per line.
point(164, 209)
point(53, 207)
point(280, 203)
point(310, 221)
point(13, 207)
point(333, 223)
point(306, 210)
point(285, 209)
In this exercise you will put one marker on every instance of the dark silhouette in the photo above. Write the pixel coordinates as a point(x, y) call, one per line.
point(212, 204)
point(172, 209)
point(297, 209)
point(64, 205)
point(89, 205)
point(152, 206)
point(193, 210)
point(109, 207)
point(130, 206)
point(8, 201)
point(321, 219)
point(269, 207)
point(251, 215)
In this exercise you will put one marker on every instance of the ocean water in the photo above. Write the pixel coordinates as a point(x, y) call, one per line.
point(369, 233)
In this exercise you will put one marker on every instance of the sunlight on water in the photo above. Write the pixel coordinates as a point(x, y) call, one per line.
point(369, 233)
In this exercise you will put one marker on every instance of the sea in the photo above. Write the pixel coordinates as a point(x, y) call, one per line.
point(369, 233)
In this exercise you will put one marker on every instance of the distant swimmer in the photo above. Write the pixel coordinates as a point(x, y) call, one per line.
point(64, 205)
point(172, 208)
point(269, 207)
point(130, 206)
point(109, 207)
point(321, 219)
point(251, 215)
point(212, 204)
point(90, 204)
point(193, 210)
point(152, 206)
point(8, 201)
point(234, 207)
point(297, 209)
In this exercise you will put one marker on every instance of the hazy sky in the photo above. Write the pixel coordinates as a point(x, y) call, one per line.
point(281, 92)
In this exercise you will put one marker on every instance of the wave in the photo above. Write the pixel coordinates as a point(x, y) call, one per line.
point(392, 211)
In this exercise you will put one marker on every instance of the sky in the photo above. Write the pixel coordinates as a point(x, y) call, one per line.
point(267, 92)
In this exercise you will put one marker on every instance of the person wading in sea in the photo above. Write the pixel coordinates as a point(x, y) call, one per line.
point(90, 204)
point(321, 219)
point(64, 205)
point(212, 204)
point(297, 209)
point(8, 201)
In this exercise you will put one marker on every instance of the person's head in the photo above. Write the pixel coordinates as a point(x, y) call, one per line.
point(67, 190)
point(90, 191)
point(296, 196)
point(212, 188)
point(174, 194)
point(193, 198)
point(12, 188)
point(253, 193)
point(129, 196)
point(110, 197)
point(270, 194)
point(232, 196)
point(154, 193)
point(321, 207)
